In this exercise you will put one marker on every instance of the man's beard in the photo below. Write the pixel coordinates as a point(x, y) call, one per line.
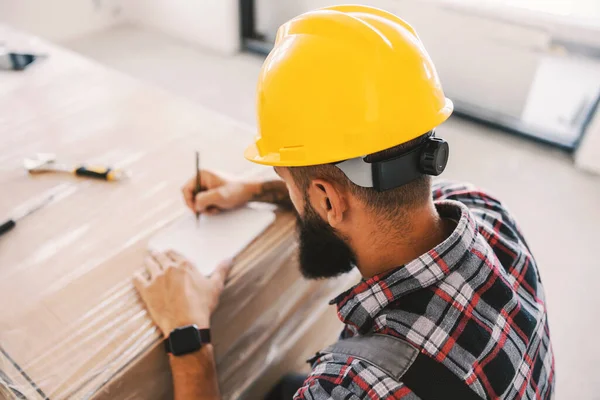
point(323, 254)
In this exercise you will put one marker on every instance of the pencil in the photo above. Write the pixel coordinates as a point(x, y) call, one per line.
point(198, 182)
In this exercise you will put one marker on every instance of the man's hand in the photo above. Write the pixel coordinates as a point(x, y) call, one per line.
point(217, 193)
point(176, 294)
point(220, 194)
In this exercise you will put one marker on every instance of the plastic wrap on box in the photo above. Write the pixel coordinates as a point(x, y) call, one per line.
point(71, 324)
point(267, 312)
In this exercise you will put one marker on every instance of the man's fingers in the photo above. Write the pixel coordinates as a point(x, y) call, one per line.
point(178, 259)
point(152, 266)
point(210, 183)
point(206, 199)
point(219, 276)
point(212, 210)
point(174, 256)
point(140, 281)
point(161, 258)
point(188, 196)
point(189, 189)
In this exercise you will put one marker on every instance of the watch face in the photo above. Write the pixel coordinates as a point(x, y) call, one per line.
point(185, 340)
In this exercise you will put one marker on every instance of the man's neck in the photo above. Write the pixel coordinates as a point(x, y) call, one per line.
point(385, 245)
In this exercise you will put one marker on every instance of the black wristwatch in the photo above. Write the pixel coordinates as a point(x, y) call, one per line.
point(186, 339)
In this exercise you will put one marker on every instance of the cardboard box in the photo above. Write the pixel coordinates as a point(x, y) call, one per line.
point(71, 324)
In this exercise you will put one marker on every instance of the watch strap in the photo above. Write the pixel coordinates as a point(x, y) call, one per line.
point(204, 335)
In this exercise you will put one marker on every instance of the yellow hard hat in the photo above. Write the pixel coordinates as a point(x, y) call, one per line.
point(344, 82)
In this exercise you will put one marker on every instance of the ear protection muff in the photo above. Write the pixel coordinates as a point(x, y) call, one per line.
point(434, 156)
point(429, 158)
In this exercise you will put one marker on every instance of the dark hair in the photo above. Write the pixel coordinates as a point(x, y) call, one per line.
point(388, 203)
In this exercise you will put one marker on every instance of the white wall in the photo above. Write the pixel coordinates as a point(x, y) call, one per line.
point(59, 20)
point(475, 55)
point(211, 24)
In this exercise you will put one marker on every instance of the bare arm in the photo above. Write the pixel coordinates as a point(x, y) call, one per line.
point(176, 294)
point(274, 192)
point(195, 375)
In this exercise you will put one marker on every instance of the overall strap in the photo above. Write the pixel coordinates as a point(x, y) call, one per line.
point(426, 377)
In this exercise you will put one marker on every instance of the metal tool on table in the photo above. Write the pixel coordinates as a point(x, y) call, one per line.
point(46, 162)
point(14, 61)
point(9, 224)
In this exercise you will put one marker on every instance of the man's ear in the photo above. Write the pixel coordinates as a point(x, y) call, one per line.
point(328, 200)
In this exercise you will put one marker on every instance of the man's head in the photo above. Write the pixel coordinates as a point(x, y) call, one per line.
point(343, 82)
point(332, 211)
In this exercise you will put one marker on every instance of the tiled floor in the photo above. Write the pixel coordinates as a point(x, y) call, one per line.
point(558, 206)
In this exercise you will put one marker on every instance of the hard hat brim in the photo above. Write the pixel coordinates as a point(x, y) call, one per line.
point(274, 158)
point(252, 154)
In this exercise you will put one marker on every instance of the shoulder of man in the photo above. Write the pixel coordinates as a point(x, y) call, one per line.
point(466, 193)
point(483, 204)
point(339, 376)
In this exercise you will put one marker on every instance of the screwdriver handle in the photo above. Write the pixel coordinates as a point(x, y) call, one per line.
point(99, 172)
point(7, 226)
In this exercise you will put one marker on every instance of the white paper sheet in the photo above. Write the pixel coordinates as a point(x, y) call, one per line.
point(215, 238)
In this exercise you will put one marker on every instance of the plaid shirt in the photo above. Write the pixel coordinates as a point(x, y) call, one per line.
point(475, 303)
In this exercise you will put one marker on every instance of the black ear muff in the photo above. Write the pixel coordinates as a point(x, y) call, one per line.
point(434, 156)
point(428, 158)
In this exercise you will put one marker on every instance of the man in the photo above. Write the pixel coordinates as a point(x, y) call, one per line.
point(451, 304)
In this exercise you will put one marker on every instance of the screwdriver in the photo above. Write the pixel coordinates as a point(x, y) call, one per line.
point(8, 225)
point(46, 162)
